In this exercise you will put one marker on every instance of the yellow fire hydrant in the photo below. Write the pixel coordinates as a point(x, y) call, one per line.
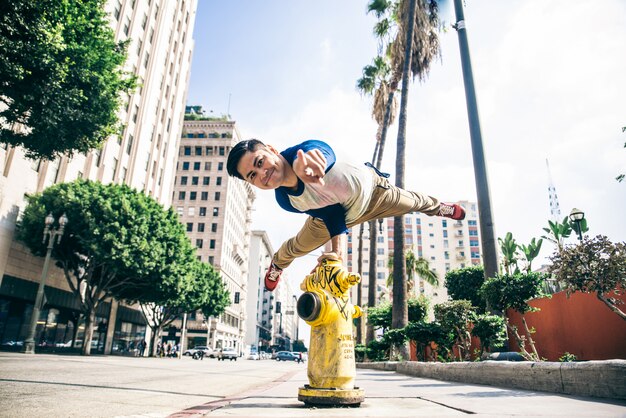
point(326, 307)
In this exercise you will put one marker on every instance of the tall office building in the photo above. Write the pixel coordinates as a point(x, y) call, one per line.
point(216, 210)
point(142, 156)
point(445, 243)
point(259, 300)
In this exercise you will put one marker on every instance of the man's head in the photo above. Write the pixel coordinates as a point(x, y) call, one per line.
point(260, 165)
point(238, 151)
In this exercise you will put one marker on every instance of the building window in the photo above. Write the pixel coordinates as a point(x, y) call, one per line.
point(116, 12)
point(207, 166)
point(202, 211)
point(181, 195)
point(193, 195)
point(196, 165)
point(198, 150)
point(187, 150)
point(189, 226)
point(191, 211)
point(129, 144)
point(201, 227)
point(216, 211)
point(183, 181)
point(127, 26)
point(217, 195)
point(213, 227)
point(199, 243)
point(204, 196)
point(194, 181)
point(222, 151)
point(220, 166)
point(218, 181)
point(208, 150)
point(206, 181)
point(212, 244)
point(211, 259)
point(444, 223)
point(180, 210)
point(186, 166)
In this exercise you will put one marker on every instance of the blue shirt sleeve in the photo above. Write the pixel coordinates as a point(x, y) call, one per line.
point(291, 154)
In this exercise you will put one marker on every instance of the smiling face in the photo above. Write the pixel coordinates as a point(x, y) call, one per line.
point(265, 168)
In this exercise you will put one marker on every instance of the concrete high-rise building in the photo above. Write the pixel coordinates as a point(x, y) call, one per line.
point(216, 210)
point(258, 326)
point(445, 243)
point(142, 156)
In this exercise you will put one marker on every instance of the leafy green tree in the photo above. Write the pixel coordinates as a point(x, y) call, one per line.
point(465, 284)
point(117, 243)
point(557, 232)
point(457, 315)
point(201, 289)
point(62, 76)
point(513, 292)
point(594, 265)
point(531, 251)
point(423, 333)
point(491, 330)
point(508, 248)
point(414, 267)
point(299, 346)
point(379, 317)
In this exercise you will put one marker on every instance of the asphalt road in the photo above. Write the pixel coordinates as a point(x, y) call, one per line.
point(74, 386)
point(112, 386)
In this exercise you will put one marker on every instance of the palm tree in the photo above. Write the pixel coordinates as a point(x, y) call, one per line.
point(416, 45)
point(557, 232)
point(415, 266)
point(376, 80)
point(509, 247)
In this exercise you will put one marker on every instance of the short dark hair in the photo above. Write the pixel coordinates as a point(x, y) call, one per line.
point(238, 151)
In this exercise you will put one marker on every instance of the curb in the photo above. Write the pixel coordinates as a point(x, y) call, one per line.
point(600, 379)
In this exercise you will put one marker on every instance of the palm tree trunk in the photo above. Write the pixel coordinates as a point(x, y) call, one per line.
point(359, 297)
point(399, 313)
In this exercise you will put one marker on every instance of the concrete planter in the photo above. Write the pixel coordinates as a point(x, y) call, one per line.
point(602, 379)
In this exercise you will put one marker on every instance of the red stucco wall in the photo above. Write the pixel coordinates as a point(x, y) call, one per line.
point(582, 325)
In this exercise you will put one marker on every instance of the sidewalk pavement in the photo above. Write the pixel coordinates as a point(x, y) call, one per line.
point(388, 394)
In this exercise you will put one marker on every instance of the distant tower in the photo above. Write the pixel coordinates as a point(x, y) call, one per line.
point(555, 210)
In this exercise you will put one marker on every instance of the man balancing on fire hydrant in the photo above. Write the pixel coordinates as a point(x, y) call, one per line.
point(307, 178)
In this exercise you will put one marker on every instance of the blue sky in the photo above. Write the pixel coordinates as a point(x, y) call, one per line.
point(549, 79)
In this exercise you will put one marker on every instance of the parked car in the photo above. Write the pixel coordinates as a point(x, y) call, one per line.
point(227, 354)
point(286, 356)
point(206, 350)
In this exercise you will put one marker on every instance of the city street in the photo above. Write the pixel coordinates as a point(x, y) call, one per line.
point(98, 386)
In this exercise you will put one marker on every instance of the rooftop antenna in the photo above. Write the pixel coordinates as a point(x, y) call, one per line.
point(228, 111)
point(555, 210)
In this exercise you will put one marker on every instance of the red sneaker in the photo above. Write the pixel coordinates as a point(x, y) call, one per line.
point(272, 277)
point(451, 210)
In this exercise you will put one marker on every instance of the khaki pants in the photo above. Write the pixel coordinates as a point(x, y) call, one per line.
point(387, 201)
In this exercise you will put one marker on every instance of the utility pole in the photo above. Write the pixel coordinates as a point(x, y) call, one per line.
point(487, 232)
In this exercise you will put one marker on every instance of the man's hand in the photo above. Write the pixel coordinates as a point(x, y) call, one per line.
point(310, 167)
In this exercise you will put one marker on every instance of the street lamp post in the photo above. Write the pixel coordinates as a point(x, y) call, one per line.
point(576, 216)
point(51, 234)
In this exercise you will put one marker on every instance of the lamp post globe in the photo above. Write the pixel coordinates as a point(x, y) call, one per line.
point(576, 216)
